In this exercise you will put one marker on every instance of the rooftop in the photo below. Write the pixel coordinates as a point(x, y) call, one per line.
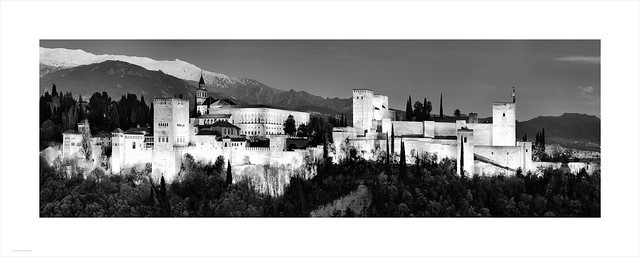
point(214, 115)
point(208, 133)
point(143, 131)
point(222, 123)
point(71, 131)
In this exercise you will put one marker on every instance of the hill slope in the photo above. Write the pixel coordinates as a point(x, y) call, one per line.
point(116, 78)
point(247, 90)
point(573, 130)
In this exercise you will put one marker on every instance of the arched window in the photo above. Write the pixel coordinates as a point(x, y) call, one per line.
point(134, 145)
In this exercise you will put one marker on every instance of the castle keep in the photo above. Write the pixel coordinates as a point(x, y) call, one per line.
point(477, 147)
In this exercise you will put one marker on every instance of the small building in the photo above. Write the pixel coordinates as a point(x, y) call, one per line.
point(71, 143)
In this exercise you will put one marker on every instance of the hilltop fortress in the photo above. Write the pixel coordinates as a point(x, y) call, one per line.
point(483, 148)
point(220, 128)
point(254, 135)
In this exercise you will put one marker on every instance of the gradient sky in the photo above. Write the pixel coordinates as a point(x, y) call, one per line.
point(551, 77)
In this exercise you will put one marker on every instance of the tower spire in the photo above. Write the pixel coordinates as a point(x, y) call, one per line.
point(201, 82)
point(513, 94)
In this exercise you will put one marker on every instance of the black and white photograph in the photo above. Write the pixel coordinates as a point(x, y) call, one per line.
point(319, 128)
point(348, 128)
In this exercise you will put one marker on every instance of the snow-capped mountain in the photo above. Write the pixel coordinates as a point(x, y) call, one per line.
point(66, 68)
point(61, 58)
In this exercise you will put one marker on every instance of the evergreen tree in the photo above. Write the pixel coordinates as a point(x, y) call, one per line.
point(408, 111)
point(441, 112)
point(524, 138)
point(290, 126)
point(151, 200)
point(86, 144)
point(428, 107)
point(393, 143)
point(54, 91)
point(325, 150)
point(166, 207)
point(461, 157)
point(424, 110)
point(150, 115)
point(403, 161)
point(387, 157)
point(543, 139)
point(456, 113)
point(229, 176)
point(417, 111)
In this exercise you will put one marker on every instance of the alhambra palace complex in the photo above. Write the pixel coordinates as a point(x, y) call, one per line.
point(226, 129)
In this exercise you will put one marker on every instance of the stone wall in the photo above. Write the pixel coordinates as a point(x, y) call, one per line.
point(406, 128)
point(507, 156)
point(504, 124)
point(444, 129)
point(482, 133)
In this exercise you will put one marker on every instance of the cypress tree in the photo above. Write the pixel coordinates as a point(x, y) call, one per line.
point(424, 109)
point(166, 208)
point(461, 158)
point(387, 159)
point(54, 91)
point(409, 110)
point(543, 139)
point(393, 142)
point(229, 177)
point(403, 161)
point(441, 113)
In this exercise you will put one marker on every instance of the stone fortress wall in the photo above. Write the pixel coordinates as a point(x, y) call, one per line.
point(490, 145)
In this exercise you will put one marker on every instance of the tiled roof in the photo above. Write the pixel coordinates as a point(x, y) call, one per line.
point(222, 123)
point(208, 133)
point(71, 131)
point(138, 131)
point(224, 102)
point(118, 130)
point(209, 100)
point(214, 115)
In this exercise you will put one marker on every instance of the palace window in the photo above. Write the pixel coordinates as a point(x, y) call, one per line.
point(133, 145)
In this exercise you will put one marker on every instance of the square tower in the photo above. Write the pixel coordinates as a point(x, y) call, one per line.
point(170, 131)
point(465, 163)
point(362, 110)
point(504, 124)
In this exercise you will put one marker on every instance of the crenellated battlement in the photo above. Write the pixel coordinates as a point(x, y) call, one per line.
point(364, 90)
point(169, 100)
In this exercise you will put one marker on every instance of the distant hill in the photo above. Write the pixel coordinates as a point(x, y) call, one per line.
point(572, 130)
point(244, 89)
point(117, 78)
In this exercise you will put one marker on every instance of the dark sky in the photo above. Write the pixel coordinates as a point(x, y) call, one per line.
point(551, 77)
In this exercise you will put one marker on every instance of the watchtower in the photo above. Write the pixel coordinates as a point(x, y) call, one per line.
point(465, 161)
point(170, 131)
point(362, 110)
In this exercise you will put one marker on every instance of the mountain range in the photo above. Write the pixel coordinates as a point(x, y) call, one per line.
point(84, 73)
point(57, 63)
point(574, 130)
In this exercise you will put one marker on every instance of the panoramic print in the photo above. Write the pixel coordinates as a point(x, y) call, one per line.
point(319, 128)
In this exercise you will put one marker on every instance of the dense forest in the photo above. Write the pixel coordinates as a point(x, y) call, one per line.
point(427, 189)
point(60, 112)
